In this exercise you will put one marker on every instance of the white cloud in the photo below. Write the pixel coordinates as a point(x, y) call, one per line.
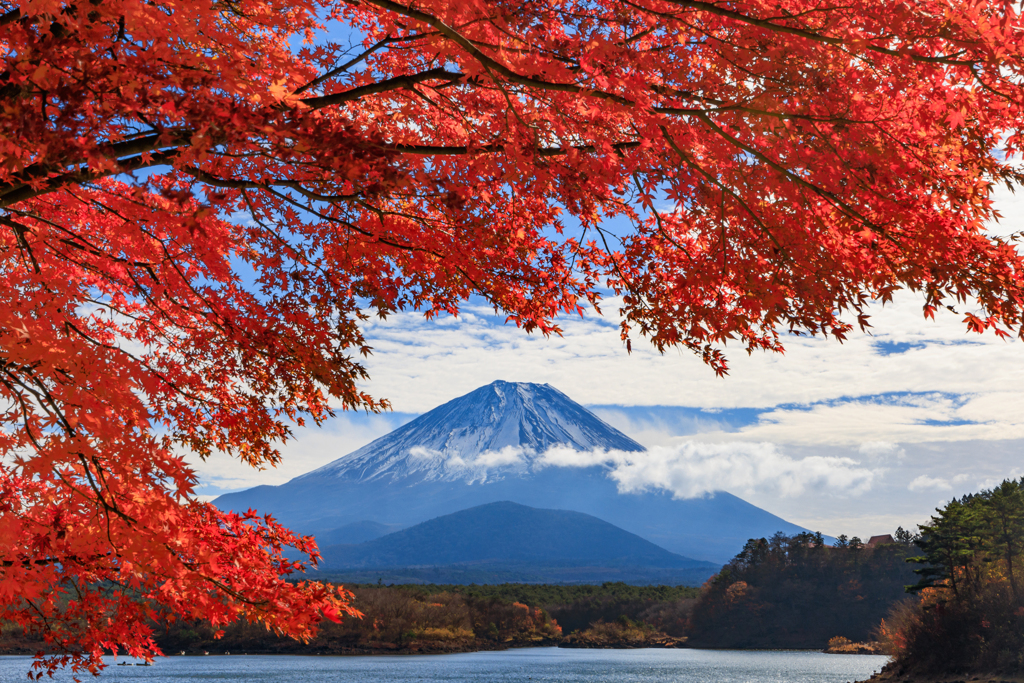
point(925, 483)
point(692, 469)
point(881, 450)
point(876, 423)
point(994, 407)
point(477, 467)
point(507, 456)
point(687, 469)
point(420, 364)
point(651, 430)
point(992, 482)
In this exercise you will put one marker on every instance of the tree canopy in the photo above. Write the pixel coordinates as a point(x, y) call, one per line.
point(798, 592)
point(970, 615)
point(201, 201)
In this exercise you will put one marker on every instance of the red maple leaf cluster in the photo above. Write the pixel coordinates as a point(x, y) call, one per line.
point(201, 201)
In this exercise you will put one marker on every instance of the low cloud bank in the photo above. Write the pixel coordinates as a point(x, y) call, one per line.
point(443, 464)
point(692, 469)
point(687, 470)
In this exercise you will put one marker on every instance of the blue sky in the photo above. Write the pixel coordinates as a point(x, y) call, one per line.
point(852, 438)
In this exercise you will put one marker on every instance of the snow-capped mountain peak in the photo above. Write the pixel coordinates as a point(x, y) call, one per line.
point(497, 429)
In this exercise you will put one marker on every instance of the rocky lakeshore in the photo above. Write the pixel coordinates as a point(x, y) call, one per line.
point(622, 634)
point(894, 673)
point(845, 646)
point(659, 641)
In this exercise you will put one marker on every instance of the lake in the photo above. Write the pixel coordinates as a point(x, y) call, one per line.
point(536, 665)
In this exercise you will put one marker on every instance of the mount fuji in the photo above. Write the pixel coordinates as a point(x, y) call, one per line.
point(493, 428)
point(489, 446)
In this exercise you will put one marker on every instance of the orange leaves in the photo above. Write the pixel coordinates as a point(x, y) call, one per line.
point(955, 118)
point(201, 209)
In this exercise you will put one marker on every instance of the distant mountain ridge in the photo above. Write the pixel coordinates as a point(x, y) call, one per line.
point(512, 533)
point(530, 544)
point(484, 447)
point(520, 419)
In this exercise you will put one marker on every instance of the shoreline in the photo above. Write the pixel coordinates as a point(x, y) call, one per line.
point(413, 648)
point(889, 674)
point(425, 649)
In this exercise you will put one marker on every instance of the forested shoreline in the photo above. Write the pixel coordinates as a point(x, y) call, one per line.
point(446, 618)
point(969, 616)
point(428, 618)
point(783, 592)
point(416, 618)
point(797, 592)
point(766, 597)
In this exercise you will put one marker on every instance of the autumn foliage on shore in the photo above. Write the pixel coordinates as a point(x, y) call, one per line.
point(201, 201)
point(395, 619)
point(435, 619)
point(797, 592)
point(969, 617)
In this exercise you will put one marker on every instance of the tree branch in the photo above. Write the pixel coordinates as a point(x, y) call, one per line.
point(489, 62)
point(712, 8)
point(396, 83)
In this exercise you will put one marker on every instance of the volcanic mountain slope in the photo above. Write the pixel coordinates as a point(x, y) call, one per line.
point(489, 446)
point(514, 419)
point(517, 542)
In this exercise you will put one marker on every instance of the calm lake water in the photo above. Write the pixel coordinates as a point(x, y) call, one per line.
point(535, 665)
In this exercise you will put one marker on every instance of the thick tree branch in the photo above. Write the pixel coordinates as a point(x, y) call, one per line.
point(396, 83)
point(10, 17)
point(25, 192)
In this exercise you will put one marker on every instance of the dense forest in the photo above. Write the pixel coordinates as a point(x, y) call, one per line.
point(771, 595)
point(448, 618)
point(394, 619)
point(444, 618)
point(797, 592)
point(576, 608)
point(970, 614)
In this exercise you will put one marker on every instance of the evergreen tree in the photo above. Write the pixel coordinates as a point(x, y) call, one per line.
point(969, 616)
point(904, 537)
point(951, 543)
point(1002, 515)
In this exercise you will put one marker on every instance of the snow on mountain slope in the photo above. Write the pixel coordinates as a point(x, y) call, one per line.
point(498, 428)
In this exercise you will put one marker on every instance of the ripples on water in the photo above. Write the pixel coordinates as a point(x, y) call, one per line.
point(535, 665)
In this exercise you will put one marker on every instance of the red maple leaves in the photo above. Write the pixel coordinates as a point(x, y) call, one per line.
point(201, 201)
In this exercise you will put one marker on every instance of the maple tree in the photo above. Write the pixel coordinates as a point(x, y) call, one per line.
point(201, 201)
